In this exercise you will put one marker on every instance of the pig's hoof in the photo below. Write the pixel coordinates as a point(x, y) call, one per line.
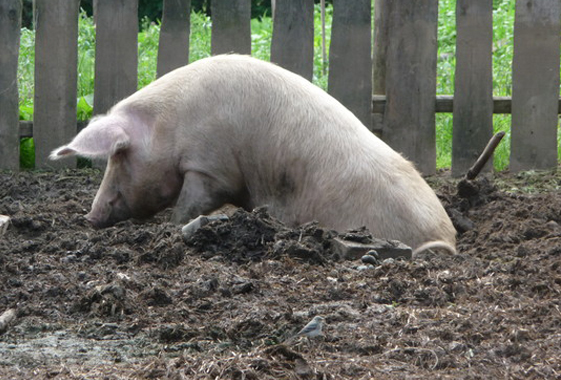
point(193, 226)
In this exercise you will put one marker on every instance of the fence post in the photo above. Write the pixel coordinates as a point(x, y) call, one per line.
point(231, 27)
point(56, 75)
point(535, 85)
point(116, 52)
point(409, 120)
point(350, 62)
point(292, 45)
point(10, 26)
point(173, 49)
point(473, 87)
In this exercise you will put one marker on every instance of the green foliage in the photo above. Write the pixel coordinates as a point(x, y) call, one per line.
point(26, 67)
point(199, 43)
point(147, 52)
point(261, 29)
point(85, 107)
point(86, 57)
point(321, 68)
point(27, 153)
point(261, 36)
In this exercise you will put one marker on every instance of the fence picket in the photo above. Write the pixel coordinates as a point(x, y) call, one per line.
point(350, 62)
point(380, 50)
point(116, 54)
point(292, 45)
point(10, 25)
point(56, 75)
point(173, 48)
point(473, 87)
point(535, 85)
point(409, 121)
point(231, 27)
point(381, 25)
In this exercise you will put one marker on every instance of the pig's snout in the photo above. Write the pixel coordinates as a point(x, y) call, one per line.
point(107, 214)
point(93, 220)
point(96, 222)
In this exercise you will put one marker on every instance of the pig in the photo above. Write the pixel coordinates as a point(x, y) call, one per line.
point(235, 129)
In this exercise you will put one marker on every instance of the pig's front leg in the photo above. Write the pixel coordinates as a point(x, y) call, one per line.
point(199, 195)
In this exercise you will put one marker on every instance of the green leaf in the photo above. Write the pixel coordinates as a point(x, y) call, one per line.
point(84, 107)
point(27, 153)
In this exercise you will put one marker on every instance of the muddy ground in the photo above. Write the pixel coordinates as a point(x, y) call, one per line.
point(137, 302)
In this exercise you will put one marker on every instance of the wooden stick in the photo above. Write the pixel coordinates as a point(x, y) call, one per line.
point(6, 319)
point(484, 157)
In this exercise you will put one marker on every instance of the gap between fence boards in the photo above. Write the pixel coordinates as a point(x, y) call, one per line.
point(444, 104)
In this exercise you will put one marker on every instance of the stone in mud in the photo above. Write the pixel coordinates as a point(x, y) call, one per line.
point(4, 222)
point(352, 250)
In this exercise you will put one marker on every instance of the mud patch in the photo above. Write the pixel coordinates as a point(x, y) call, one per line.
point(136, 301)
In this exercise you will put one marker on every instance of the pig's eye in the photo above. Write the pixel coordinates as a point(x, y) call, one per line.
point(119, 155)
point(116, 199)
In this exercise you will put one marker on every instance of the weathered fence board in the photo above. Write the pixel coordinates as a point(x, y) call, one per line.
point(473, 86)
point(409, 121)
point(56, 75)
point(380, 51)
point(292, 45)
point(231, 27)
point(381, 38)
point(116, 54)
point(535, 85)
point(350, 62)
point(173, 48)
point(10, 25)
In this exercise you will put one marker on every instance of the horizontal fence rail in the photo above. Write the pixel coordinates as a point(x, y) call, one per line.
point(443, 104)
point(388, 82)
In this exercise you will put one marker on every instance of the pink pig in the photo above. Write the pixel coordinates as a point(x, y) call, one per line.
point(234, 129)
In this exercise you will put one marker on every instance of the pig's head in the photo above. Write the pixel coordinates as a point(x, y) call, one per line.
point(137, 183)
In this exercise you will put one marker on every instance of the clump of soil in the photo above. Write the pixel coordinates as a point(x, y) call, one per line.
point(136, 301)
point(256, 236)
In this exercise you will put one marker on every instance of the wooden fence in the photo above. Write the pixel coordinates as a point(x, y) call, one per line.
point(394, 94)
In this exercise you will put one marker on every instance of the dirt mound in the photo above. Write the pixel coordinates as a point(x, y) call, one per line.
point(256, 236)
point(137, 301)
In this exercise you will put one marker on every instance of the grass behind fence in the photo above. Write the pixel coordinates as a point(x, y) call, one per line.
point(261, 34)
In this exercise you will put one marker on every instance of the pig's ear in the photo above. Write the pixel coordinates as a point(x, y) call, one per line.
point(101, 139)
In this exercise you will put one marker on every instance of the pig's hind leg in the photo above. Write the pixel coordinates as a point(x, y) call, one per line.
point(200, 194)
